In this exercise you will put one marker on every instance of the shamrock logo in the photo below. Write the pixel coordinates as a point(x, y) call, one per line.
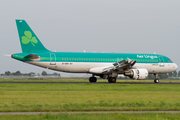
point(28, 38)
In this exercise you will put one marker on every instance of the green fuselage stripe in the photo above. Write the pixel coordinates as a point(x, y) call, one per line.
point(94, 57)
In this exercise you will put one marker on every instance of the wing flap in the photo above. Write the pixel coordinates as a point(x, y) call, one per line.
point(120, 65)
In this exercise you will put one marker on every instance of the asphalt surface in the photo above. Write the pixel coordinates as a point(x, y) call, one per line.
point(87, 112)
point(93, 83)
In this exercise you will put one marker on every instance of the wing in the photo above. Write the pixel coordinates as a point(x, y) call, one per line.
point(120, 66)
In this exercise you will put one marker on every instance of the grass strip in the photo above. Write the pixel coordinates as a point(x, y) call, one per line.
point(80, 80)
point(88, 97)
point(98, 116)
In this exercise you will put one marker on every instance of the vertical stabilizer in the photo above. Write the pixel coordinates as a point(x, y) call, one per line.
point(29, 41)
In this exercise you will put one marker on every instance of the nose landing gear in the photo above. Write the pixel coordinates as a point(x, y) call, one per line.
point(156, 79)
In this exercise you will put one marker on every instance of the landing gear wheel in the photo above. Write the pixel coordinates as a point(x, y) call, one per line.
point(156, 81)
point(156, 78)
point(92, 79)
point(112, 80)
point(109, 80)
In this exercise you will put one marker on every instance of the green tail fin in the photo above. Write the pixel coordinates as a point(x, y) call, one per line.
point(29, 41)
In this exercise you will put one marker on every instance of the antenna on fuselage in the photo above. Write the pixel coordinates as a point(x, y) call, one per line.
point(154, 52)
point(84, 51)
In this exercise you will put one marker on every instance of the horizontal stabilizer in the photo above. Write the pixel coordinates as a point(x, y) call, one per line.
point(32, 56)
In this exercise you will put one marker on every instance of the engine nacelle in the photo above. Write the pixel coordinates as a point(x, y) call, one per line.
point(137, 74)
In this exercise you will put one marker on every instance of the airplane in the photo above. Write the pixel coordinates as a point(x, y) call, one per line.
point(105, 65)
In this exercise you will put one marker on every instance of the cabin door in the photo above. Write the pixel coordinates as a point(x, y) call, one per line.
point(52, 59)
point(161, 61)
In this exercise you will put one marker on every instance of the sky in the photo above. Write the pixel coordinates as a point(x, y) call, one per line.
point(119, 26)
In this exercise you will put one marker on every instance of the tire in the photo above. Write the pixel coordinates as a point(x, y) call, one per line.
point(156, 81)
point(92, 79)
point(110, 79)
point(113, 80)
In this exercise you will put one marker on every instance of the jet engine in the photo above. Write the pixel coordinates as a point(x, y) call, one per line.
point(137, 74)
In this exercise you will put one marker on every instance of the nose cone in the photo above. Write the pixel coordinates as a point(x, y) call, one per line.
point(175, 66)
point(12, 56)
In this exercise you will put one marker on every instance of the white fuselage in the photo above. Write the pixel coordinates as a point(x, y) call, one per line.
point(83, 67)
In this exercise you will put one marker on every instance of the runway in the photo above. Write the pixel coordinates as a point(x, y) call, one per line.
point(86, 112)
point(92, 82)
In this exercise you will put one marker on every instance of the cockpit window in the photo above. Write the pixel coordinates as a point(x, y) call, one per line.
point(169, 60)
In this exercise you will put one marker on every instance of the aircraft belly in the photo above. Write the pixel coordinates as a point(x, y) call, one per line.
point(83, 67)
point(74, 67)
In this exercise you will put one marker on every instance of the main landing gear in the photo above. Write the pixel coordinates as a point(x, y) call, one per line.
point(111, 79)
point(156, 79)
point(92, 79)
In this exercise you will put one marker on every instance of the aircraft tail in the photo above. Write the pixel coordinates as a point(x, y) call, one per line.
point(29, 41)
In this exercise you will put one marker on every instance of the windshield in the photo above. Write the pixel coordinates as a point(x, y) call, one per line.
point(169, 60)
